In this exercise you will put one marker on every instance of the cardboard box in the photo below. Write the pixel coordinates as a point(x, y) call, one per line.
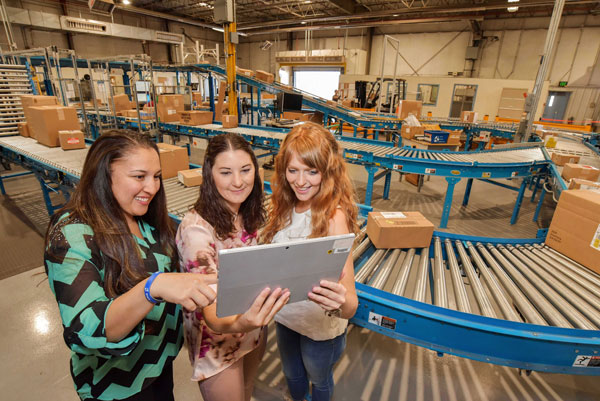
point(169, 107)
point(197, 97)
point(468, 117)
point(435, 127)
point(265, 76)
point(172, 159)
point(28, 101)
point(347, 103)
point(190, 178)
point(196, 117)
point(23, 129)
point(575, 227)
point(409, 132)
point(454, 137)
point(580, 171)
point(578, 183)
point(71, 139)
point(412, 179)
point(46, 121)
point(399, 230)
point(244, 72)
point(407, 107)
point(561, 160)
point(292, 115)
point(230, 121)
point(122, 102)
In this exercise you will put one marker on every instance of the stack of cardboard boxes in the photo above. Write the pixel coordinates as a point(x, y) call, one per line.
point(575, 227)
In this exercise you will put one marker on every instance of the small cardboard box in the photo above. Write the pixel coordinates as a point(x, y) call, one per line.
point(580, 171)
point(168, 114)
point(190, 178)
point(265, 76)
point(23, 129)
point(407, 107)
point(196, 117)
point(347, 103)
point(575, 227)
point(244, 72)
point(122, 102)
point(578, 183)
point(172, 159)
point(230, 121)
point(435, 127)
point(468, 117)
point(399, 230)
point(561, 160)
point(71, 139)
point(46, 121)
point(409, 132)
point(454, 137)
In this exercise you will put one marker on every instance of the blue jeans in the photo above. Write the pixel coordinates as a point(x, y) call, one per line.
point(307, 360)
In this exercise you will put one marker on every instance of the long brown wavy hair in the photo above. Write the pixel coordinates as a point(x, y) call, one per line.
point(317, 148)
point(94, 204)
point(211, 205)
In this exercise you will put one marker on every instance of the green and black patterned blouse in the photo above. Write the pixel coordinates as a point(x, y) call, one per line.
point(102, 369)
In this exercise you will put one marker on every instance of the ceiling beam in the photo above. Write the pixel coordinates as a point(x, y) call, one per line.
point(349, 6)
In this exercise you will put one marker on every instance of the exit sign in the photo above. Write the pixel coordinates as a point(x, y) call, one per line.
point(562, 84)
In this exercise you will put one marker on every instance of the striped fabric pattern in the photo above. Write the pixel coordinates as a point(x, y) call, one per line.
point(101, 369)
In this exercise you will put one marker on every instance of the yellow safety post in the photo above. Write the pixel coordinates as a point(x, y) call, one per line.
point(230, 62)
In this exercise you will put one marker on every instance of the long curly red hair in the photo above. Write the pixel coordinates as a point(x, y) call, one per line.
point(316, 147)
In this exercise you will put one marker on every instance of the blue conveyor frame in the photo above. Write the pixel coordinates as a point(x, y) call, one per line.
point(519, 345)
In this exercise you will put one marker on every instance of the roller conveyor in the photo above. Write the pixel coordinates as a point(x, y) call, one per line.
point(504, 301)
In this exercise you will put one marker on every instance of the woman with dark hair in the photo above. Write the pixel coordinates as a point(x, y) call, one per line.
point(111, 261)
point(313, 197)
point(225, 352)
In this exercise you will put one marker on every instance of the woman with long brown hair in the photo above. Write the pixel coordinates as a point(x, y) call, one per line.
point(313, 197)
point(225, 352)
point(111, 261)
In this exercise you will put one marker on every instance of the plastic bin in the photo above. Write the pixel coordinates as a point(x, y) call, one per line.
point(437, 136)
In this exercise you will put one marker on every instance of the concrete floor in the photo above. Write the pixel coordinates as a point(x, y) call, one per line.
point(35, 363)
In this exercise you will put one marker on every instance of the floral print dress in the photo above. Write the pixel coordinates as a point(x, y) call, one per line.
point(210, 352)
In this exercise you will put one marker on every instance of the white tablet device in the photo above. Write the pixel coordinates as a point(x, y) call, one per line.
point(298, 265)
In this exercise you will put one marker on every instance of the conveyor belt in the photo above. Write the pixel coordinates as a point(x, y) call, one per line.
point(510, 302)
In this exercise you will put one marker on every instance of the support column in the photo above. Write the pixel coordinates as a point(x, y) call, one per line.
point(452, 181)
point(536, 215)
point(228, 29)
point(517, 208)
point(467, 192)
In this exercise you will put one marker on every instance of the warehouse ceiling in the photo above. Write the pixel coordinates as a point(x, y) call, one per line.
point(260, 16)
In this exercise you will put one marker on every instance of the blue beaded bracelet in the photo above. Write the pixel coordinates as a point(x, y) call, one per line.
point(149, 297)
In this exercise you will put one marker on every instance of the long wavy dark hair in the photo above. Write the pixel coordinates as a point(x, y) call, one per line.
point(211, 205)
point(94, 204)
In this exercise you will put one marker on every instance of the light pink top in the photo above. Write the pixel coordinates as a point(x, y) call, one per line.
point(210, 352)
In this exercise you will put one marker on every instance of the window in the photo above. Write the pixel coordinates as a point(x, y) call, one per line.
point(322, 82)
point(428, 94)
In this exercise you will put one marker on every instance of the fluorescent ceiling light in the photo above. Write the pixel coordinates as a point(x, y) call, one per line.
point(513, 1)
point(217, 29)
point(512, 9)
point(303, 22)
point(126, 2)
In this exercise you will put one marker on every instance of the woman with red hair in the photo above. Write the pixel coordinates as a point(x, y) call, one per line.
point(313, 197)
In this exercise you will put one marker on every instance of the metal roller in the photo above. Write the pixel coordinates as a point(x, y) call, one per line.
point(422, 274)
point(575, 300)
point(460, 293)
point(361, 249)
point(548, 311)
point(578, 319)
point(366, 270)
point(568, 277)
point(440, 296)
point(572, 265)
point(480, 296)
point(526, 308)
point(361, 234)
point(402, 280)
point(381, 276)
